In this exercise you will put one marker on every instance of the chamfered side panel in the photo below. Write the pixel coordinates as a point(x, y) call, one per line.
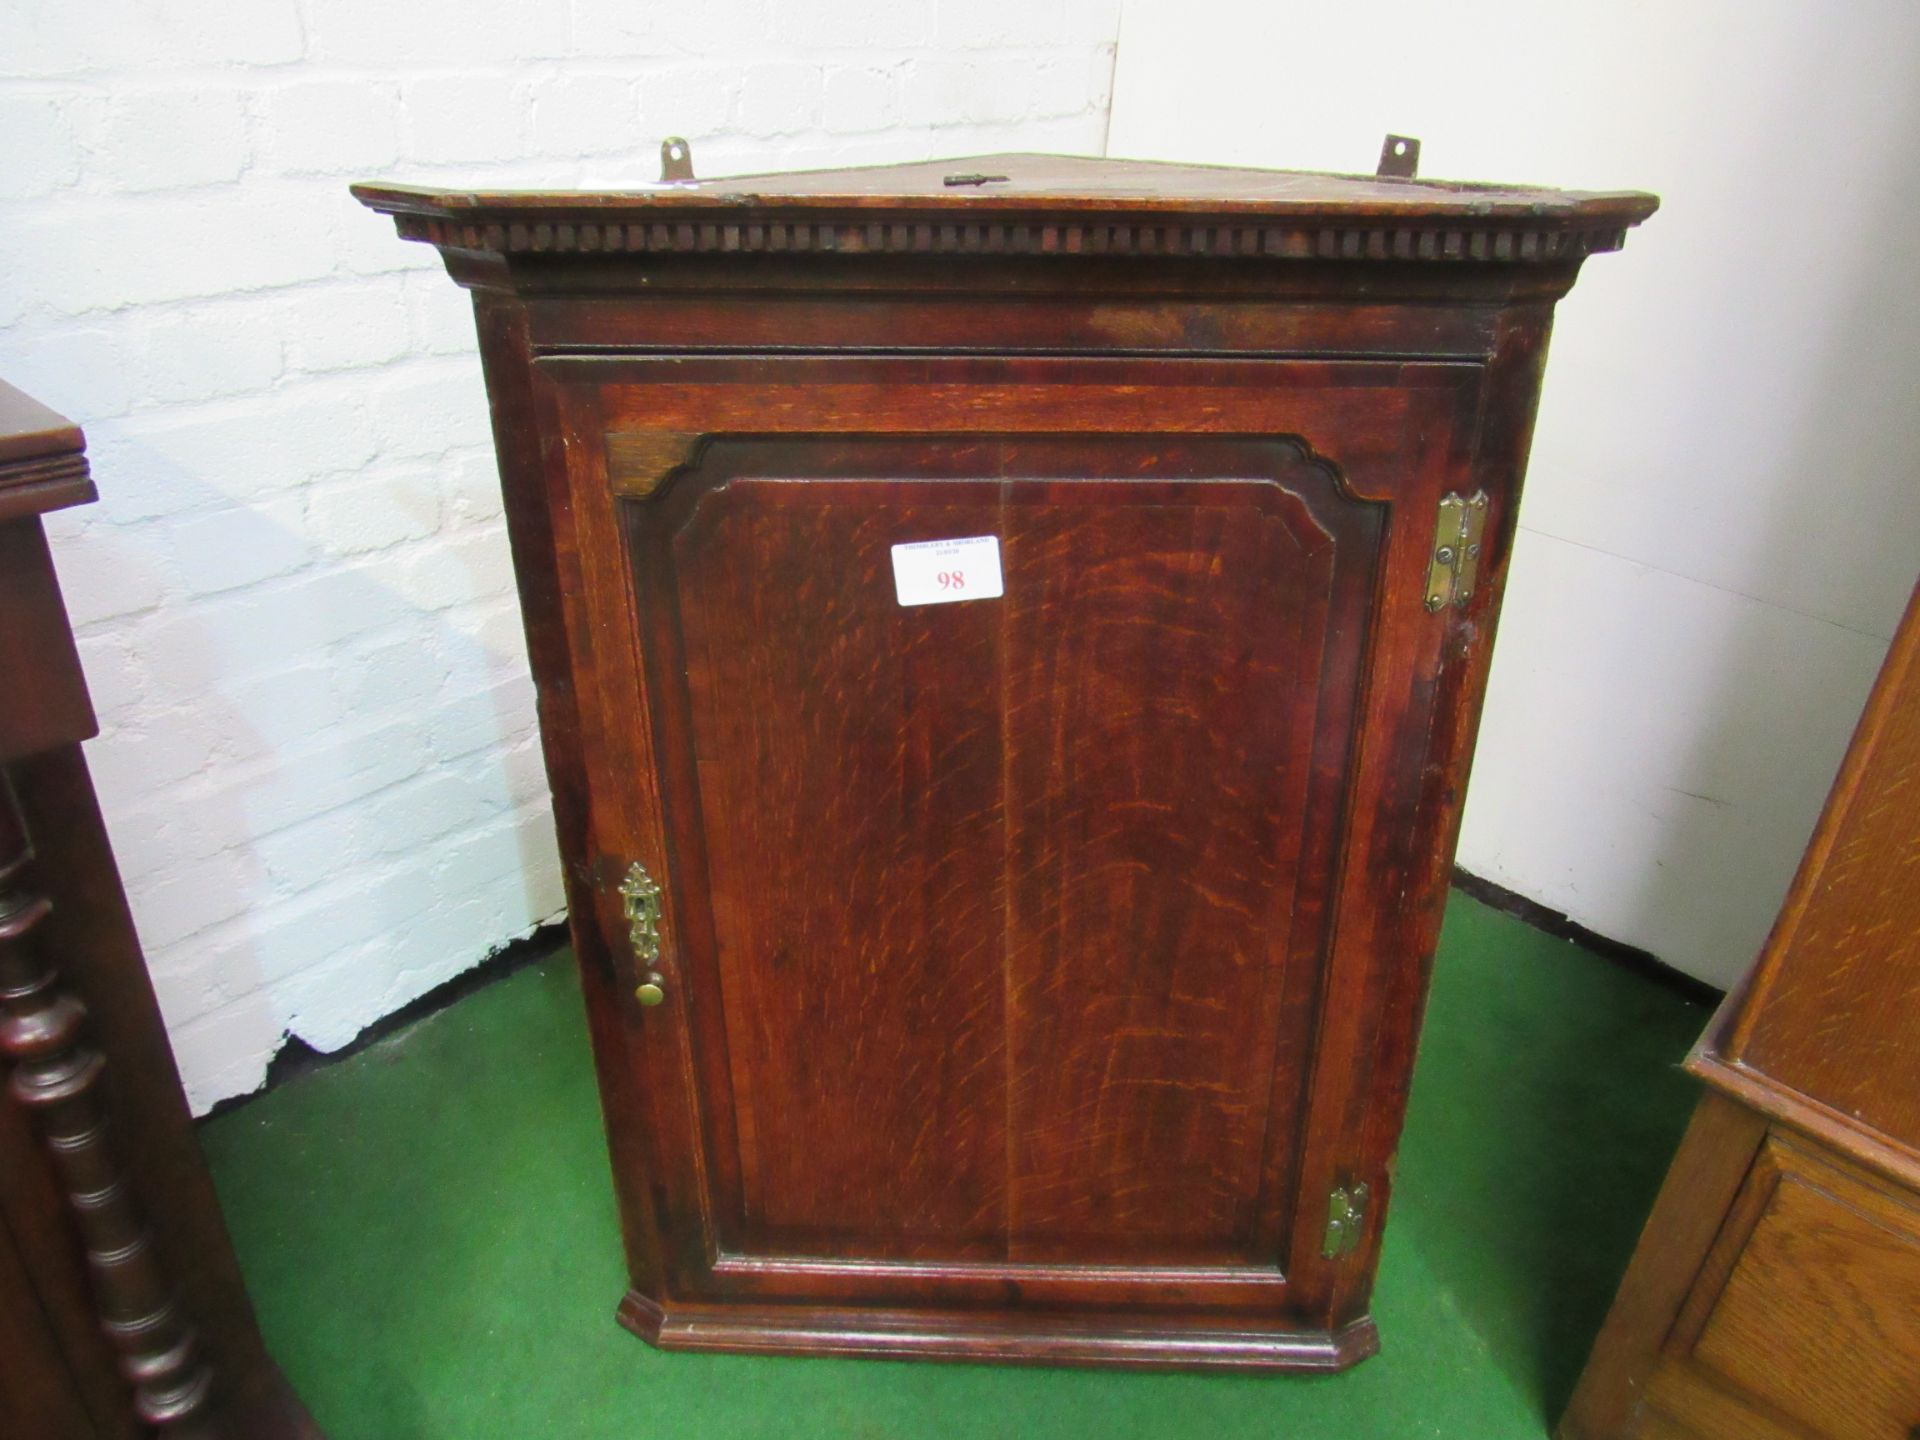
point(1016, 904)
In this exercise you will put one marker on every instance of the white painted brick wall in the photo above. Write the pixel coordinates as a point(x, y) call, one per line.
point(294, 601)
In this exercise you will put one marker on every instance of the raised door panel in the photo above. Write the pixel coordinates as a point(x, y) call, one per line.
point(996, 931)
point(1002, 890)
point(1810, 1310)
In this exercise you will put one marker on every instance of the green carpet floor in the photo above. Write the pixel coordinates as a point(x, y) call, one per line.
point(429, 1232)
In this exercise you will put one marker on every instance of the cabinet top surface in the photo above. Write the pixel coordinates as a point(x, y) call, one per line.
point(43, 458)
point(1009, 192)
point(30, 431)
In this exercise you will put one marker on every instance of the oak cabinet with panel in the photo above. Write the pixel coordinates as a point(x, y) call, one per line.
point(1009, 635)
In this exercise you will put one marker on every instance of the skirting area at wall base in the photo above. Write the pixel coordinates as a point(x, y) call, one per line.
point(296, 1058)
point(1555, 922)
point(1003, 1338)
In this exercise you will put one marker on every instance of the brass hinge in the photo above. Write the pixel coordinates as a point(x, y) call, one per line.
point(1346, 1219)
point(1456, 550)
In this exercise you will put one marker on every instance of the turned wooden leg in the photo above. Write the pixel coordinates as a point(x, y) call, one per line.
point(56, 1075)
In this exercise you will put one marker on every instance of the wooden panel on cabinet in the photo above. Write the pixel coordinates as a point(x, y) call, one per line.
point(1819, 1313)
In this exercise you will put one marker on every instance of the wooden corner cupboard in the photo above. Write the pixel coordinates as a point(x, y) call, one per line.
point(1009, 635)
point(1775, 1294)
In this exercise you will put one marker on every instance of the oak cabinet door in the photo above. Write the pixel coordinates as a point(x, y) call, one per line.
point(998, 932)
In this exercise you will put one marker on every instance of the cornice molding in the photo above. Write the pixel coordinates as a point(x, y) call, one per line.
point(1488, 241)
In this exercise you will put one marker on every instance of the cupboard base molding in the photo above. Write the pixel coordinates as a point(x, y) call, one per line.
point(1001, 1338)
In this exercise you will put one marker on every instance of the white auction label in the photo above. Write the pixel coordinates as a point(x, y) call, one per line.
point(937, 572)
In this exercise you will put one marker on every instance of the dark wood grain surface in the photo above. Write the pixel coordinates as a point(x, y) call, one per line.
point(1034, 968)
point(1069, 983)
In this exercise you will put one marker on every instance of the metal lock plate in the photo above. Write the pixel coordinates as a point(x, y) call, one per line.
point(640, 902)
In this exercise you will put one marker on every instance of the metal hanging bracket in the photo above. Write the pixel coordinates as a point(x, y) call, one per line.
point(676, 161)
point(1399, 158)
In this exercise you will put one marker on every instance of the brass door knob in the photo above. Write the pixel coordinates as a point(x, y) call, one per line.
point(652, 990)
